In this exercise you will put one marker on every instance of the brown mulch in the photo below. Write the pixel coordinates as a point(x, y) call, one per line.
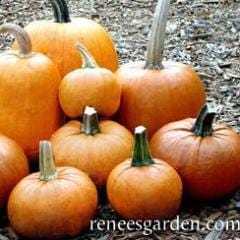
point(203, 33)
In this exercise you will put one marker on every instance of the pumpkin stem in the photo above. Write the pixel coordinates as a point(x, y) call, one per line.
point(60, 11)
point(88, 60)
point(156, 43)
point(90, 124)
point(141, 151)
point(21, 36)
point(203, 124)
point(46, 163)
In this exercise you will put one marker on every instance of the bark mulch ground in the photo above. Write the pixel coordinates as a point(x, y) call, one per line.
point(203, 33)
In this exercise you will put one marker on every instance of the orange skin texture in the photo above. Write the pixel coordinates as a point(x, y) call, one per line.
point(209, 166)
point(13, 167)
point(145, 193)
point(96, 87)
point(96, 155)
point(153, 98)
point(53, 209)
point(29, 108)
point(57, 41)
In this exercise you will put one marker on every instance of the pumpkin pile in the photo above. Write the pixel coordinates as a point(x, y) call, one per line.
point(76, 79)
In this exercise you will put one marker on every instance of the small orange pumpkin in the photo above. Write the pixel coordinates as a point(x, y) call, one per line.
point(89, 86)
point(95, 148)
point(206, 155)
point(13, 167)
point(29, 108)
point(156, 92)
point(53, 203)
point(56, 39)
point(142, 187)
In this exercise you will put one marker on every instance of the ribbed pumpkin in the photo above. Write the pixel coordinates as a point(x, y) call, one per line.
point(93, 147)
point(206, 155)
point(144, 188)
point(56, 39)
point(89, 86)
point(29, 108)
point(157, 92)
point(13, 167)
point(55, 203)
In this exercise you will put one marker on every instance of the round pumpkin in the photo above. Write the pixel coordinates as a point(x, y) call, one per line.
point(91, 146)
point(89, 86)
point(13, 167)
point(29, 108)
point(57, 38)
point(55, 203)
point(206, 155)
point(142, 187)
point(157, 92)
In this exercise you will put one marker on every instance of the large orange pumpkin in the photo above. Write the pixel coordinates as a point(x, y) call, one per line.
point(55, 203)
point(93, 147)
point(29, 108)
point(89, 86)
point(143, 188)
point(156, 92)
point(206, 155)
point(57, 39)
point(13, 167)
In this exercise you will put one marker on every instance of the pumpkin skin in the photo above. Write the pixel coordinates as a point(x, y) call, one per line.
point(146, 191)
point(155, 92)
point(57, 39)
point(155, 97)
point(29, 108)
point(55, 208)
point(14, 167)
point(96, 154)
point(89, 86)
point(209, 165)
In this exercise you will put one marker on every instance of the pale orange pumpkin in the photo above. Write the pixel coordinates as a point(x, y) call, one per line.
point(29, 108)
point(56, 39)
point(13, 167)
point(157, 92)
point(91, 146)
point(89, 86)
point(55, 203)
point(144, 188)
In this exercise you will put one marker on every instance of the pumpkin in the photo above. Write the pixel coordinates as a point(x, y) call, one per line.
point(55, 203)
point(206, 155)
point(56, 39)
point(156, 92)
point(142, 187)
point(90, 85)
point(14, 166)
point(29, 108)
point(91, 146)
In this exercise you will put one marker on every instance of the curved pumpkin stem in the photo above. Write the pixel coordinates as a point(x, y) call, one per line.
point(141, 151)
point(155, 46)
point(46, 163)
point(90, 124)
point(87, 58)
point(60, 11)
point(21, 36)
point(204, 121)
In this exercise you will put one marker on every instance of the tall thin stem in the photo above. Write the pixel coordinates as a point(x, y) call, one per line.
point(155, 46)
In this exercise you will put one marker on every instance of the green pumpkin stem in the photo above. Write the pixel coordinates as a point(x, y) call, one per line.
point(87, 58)
point(46, 162)
point(60, 11)
point(90, 124)
point(203, 124)
point(141, 150)
point(155, 46)
point(21, 36)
